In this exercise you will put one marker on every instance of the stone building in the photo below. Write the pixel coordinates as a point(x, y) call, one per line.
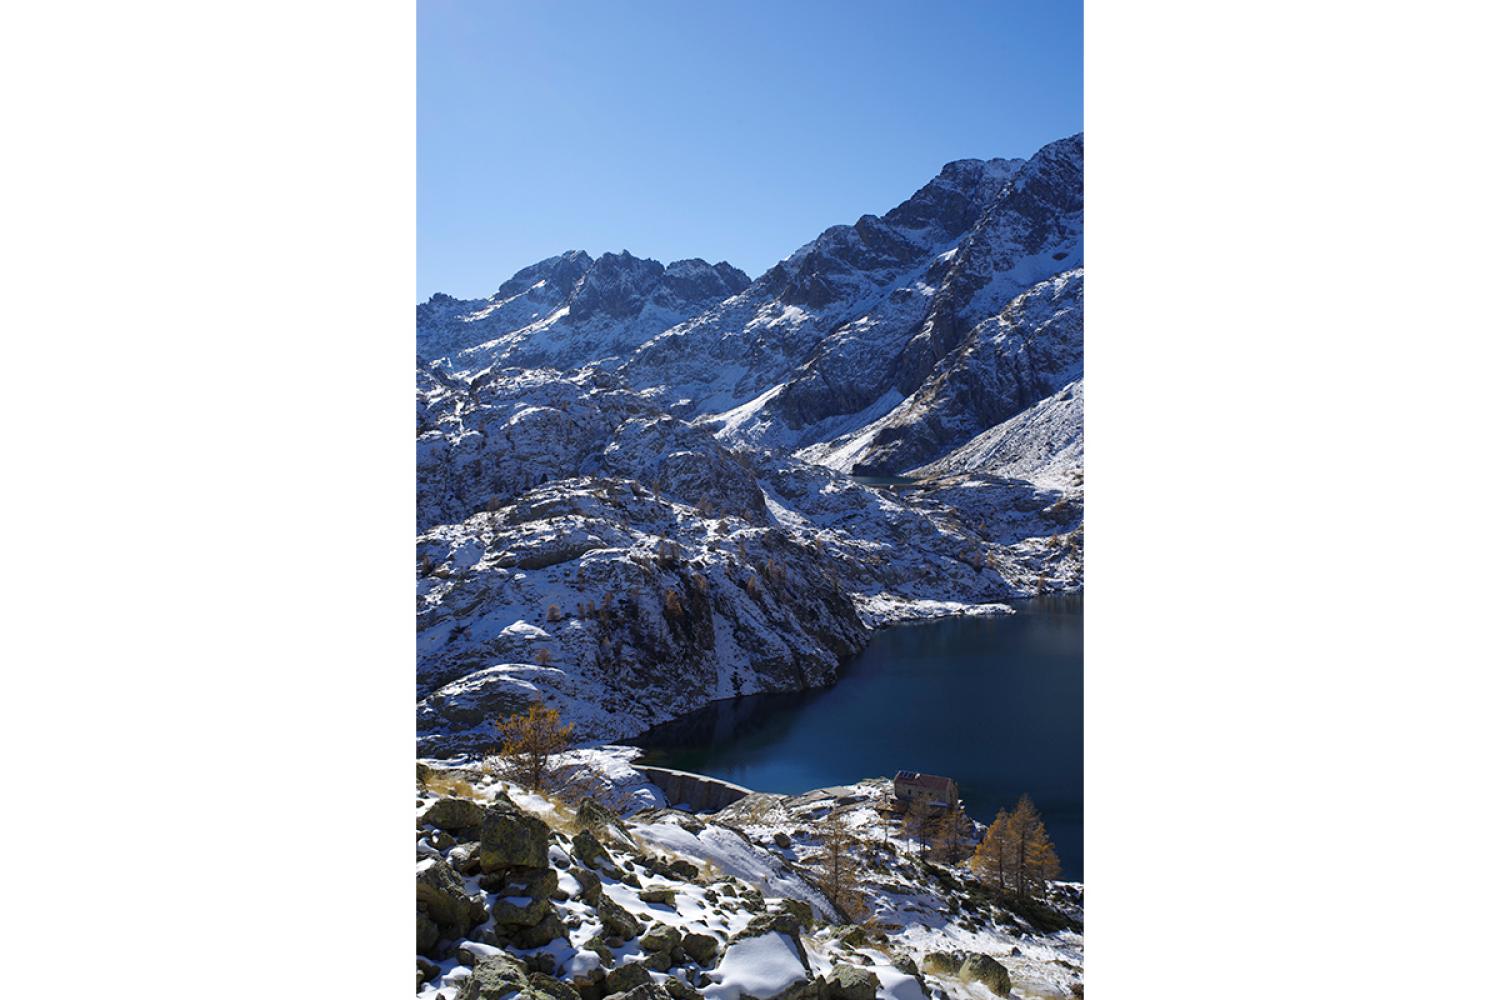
point(930, 790)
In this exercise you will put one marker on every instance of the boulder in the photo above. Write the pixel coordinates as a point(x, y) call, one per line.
point(984, 969)
point(428, 934)
point(587, 849)
point(455, 815)
point(552, 987)
point(600, 820)
point(510, 838)
point(494, 977)
point(616, 919)
point(661, 938)
point(626, 978)
point(465, 858)
point(701, 948)
point(589, 886)
point(942, 963)
point(645, 991)
point(668, 896)
point(782, 840)
point(803, 912)
point(426, 970)
point(685, 870)
point(512, 912)
point(549, 929)
point(679, 990)
point(845, 982)
point(440, 894)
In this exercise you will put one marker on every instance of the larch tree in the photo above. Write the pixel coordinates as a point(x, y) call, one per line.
point(1033, 858)
point(989, 861)
point(916, 822)
point(529, 739)
point(952, 829)
point(837, 865)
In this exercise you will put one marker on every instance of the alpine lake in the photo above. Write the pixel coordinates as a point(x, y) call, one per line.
point(994, 702)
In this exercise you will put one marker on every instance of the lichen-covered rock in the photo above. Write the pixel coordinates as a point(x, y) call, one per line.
point(616, 919)
point(455, 815)
point(588, 850)
point(601, 821)
point(589, 885)
point(494, 977)
point(683, 869)
point(661, 937)
point(701, 948)
point(552, 987)
point(428, 933)
point(441, 896)
point(510, 838)
point(627, 977)
point(942, 963)
point(645, 991)
point(984, 969)
point(799, 909)
point(845, 982)
point(549, 929)
point(678, 990)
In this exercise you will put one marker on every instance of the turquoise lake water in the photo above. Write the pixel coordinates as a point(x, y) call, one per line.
point(995, 703)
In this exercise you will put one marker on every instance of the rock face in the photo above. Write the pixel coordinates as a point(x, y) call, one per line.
point(569, 310)
point(1004, 366)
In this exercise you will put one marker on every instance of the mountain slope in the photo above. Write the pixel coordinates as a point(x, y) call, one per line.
point(1005, 364)
point(570, 310)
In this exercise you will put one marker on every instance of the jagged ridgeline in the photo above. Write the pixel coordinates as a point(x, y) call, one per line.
point(643, 487)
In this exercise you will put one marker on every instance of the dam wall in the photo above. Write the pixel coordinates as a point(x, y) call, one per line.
point(698, 791)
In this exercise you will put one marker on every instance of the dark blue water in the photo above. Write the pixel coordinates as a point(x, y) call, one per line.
point(995, 703)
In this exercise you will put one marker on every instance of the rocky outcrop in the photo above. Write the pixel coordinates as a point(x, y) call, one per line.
point(511, 838)
point(444, 909)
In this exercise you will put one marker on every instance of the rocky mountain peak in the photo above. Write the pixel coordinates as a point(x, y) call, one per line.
point(561, 272)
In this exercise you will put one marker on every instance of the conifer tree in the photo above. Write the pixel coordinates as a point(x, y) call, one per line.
point(837, 865)
point(989, 861)
point(528, 739)
point(1034, 860)
point(948, 838)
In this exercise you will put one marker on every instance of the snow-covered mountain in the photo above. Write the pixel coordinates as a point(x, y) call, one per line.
point(634, 480)
point(838, 333)
point(570, 310)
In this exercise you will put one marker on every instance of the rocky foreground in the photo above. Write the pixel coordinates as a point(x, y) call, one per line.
point(601, 890)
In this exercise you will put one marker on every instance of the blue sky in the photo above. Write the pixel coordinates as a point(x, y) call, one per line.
point(725, 130)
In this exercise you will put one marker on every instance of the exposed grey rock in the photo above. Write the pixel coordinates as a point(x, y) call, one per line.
point(616, 918)
point(702, 948)
point(984, 969)
point(511, 838)
point(494, 978)
point(627, 977)
point(455, 815)
point(845, 982)
point(441, 896)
